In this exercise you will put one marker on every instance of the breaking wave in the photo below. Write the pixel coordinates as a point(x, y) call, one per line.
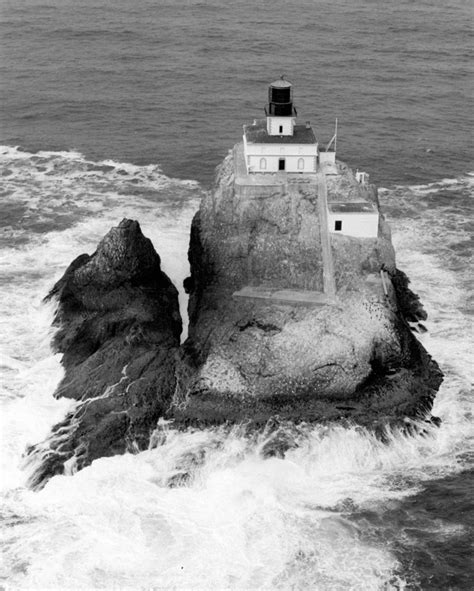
point(206, 509)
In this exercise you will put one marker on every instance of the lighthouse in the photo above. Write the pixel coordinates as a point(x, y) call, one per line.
point(277, 144)
point(281, 114)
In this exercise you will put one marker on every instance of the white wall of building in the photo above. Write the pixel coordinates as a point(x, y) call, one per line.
point(280, 149)
point(265, 157)
point(280, 125)
point(360, 225)
point(270, 163)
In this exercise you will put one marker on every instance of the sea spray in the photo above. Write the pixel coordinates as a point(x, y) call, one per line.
point(67, 205)
point(237, 521)
point(206, 509)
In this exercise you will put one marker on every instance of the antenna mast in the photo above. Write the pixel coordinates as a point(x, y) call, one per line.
point(333, 139)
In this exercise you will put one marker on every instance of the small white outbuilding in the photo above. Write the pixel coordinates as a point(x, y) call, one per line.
point(353, 218)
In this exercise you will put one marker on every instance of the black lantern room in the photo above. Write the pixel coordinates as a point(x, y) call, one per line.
point(280, 99)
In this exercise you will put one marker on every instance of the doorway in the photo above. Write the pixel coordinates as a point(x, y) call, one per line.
point(281, 164)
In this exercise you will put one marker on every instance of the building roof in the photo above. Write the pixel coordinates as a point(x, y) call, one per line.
point(281, 83)
point(257, 134)
point(352, 207)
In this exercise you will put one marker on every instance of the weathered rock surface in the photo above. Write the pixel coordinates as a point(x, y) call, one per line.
point(349, 358)
point(118, 330)
point(245, 360)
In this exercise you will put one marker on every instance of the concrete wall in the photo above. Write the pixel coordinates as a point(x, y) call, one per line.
point(327, 157)
point(265, 157)
point(274, 124)
point(360, 225)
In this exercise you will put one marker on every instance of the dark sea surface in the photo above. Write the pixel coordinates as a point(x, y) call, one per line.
point(124, 109)
point(173, 82)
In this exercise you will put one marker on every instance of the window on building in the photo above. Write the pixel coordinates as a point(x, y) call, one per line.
point(300, 163)
point(281, 164)
point(281, 128)
point(263, 163)
point(338, 225)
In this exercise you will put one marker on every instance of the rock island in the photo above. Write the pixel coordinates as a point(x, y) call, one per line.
point(296, 306)
point(297, 311)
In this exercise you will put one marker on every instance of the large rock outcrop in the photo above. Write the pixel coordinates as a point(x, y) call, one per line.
point(353, 357)
point(118, 328)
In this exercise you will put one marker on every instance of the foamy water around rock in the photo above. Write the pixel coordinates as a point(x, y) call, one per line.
point(204, 509)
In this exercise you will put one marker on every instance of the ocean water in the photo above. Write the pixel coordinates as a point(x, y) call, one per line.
point(112, 110)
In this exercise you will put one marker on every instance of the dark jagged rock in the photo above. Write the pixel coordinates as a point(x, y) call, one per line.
point(409, 302)
point(268, 366)
point(354, 359)
point(118, 330)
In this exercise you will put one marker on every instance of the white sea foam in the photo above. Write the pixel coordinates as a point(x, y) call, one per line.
point(28, 409)
point(52, 184)
point(423, 246)
point(241, 521)
point(235, 520)
point(454, 183)
point(93, 197)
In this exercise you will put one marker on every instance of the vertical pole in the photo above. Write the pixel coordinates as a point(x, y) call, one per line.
point(335, 138)
point(329, 281)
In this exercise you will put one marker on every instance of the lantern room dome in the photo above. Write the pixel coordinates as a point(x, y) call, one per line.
point(281, 83)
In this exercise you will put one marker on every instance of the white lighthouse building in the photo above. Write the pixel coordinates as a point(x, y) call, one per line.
point(278, 143)
point(274, 152)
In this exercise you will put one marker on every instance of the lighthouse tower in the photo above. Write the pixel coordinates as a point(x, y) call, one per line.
point(277, 144)
point(281, 115)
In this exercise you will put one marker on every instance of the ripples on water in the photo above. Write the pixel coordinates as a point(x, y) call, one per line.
point(168, 82)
